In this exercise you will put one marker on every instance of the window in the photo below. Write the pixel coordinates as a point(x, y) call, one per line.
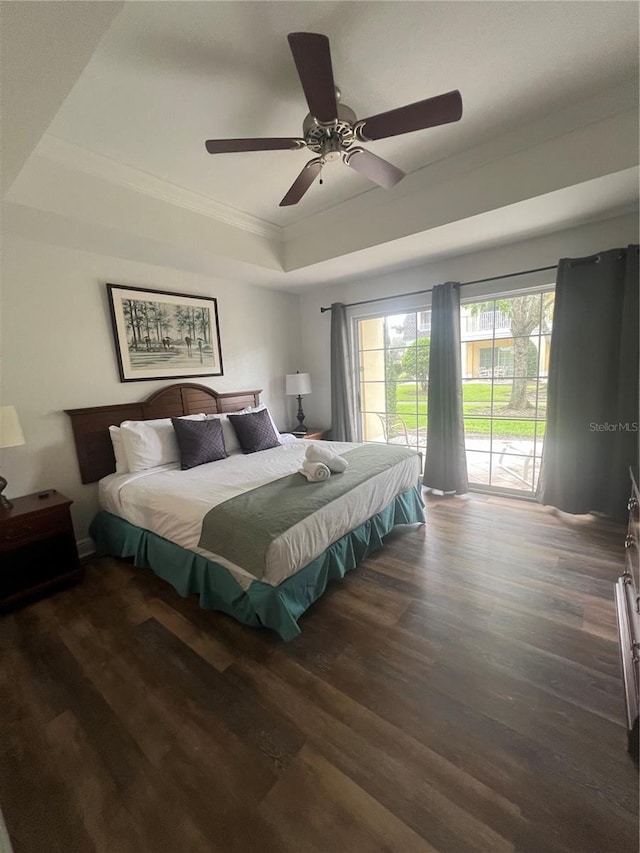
point(497, 361)
point(424, 321)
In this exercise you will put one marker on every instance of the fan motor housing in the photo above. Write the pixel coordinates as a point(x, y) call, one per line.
point(330, 140)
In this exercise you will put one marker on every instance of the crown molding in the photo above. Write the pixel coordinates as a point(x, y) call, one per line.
point(89, 162)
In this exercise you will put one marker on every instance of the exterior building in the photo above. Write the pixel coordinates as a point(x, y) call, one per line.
point(487, 344)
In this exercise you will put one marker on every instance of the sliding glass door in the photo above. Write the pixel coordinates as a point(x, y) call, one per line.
point(505, 358)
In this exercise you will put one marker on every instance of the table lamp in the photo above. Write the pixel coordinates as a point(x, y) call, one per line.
point(10, 436)
point(299, 384)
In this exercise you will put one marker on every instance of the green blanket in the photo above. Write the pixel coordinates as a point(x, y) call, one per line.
point(242, 528)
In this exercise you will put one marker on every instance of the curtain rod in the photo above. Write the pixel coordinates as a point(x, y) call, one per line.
point(429, 289)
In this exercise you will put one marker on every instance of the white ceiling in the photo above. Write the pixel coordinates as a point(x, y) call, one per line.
point(169, 75)
point(165, 76)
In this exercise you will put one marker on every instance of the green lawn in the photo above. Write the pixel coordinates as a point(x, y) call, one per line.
point(472, 393)
point(476, 397)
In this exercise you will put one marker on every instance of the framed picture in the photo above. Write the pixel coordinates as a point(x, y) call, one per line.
point(161, 335)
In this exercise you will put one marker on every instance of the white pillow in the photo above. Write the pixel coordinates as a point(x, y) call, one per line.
point(148, 444)
point(122, 466)
point(231, 443)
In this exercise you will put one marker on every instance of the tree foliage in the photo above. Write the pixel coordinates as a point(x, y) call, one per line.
point(392, 371)
point(415, 362)
point(152, 323)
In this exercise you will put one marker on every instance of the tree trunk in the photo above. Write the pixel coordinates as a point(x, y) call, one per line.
point(525, 316)
point(135, 322)
point(128, 313)
point(518, 399)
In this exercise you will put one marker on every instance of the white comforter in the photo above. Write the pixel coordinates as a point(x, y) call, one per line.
point(172, 503)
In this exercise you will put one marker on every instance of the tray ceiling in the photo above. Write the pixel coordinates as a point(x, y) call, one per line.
point(167, 76)
point(124, 102)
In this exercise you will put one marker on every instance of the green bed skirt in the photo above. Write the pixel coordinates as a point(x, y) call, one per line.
point(277, 607)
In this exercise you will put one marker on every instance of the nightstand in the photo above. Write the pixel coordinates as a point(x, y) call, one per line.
point(37, 547)
point(312, 433)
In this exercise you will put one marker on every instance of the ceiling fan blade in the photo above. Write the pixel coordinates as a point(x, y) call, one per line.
point(312, 57)
point(229, 146)
point(379, 171)
point(428, 113)
point(302, 183)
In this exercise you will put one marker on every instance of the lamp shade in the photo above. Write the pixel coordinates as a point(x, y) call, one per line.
point(298, 384)
point(10, 430)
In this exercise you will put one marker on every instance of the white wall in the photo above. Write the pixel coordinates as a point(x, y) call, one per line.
point(541, 251)
point(58, 353)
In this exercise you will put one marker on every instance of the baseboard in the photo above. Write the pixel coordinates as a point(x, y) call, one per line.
point(86, 548)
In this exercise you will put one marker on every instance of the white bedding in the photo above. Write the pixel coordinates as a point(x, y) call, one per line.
point(172, 503)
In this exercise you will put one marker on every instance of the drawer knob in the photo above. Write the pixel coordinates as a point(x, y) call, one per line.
point(633, 504)
point(629, 542)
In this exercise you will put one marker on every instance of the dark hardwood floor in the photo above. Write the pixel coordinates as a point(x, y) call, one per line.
point(458, 692)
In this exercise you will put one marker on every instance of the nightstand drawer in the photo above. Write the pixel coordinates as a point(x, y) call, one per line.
point(19, 531)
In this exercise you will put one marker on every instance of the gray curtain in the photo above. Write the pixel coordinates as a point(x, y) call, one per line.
point(343, 418)
point(592, 408)
point(446, 463)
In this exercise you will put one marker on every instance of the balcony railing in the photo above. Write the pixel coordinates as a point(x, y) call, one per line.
point(485, 321)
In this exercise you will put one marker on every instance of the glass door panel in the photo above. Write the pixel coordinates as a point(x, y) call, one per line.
point(505, 359)
point(393, 357)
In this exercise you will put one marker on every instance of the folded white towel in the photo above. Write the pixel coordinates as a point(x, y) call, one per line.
point(315, 472)
point(335, 463)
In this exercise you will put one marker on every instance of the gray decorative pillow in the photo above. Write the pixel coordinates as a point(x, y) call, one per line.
point(255, 431)
point(199, 442)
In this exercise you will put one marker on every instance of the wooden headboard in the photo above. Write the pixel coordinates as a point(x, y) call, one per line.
point(91, 426)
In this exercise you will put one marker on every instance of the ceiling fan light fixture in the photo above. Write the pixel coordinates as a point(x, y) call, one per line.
point(316, 133)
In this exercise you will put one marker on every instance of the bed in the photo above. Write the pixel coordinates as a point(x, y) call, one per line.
point(246, 533)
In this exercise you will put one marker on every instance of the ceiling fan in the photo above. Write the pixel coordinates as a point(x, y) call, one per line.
point(331, 129)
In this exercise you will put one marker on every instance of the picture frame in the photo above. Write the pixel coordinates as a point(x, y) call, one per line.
point(160, 334)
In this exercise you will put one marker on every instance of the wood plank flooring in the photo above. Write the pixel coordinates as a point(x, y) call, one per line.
point(459, 692)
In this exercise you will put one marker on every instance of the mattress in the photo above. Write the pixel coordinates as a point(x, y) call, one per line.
point(172, 503)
